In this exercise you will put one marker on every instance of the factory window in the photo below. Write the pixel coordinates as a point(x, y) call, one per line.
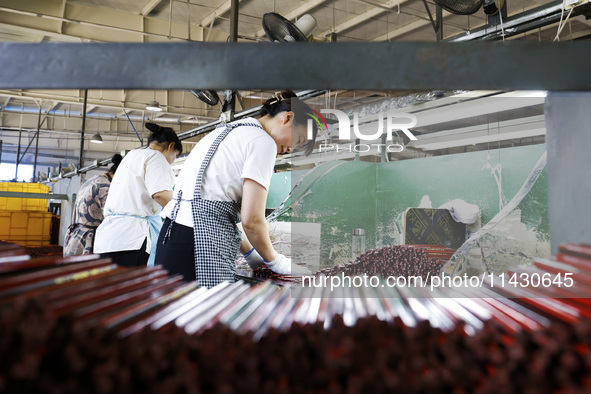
point(7, 172)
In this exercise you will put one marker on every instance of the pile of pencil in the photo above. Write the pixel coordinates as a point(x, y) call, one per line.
point(83, 324)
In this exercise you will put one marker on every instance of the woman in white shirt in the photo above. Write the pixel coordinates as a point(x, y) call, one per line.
point(227, 173)
point(142, 186)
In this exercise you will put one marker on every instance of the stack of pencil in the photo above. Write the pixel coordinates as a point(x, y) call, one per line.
point(83, 324)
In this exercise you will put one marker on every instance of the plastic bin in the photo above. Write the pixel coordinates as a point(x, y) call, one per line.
point(25, 228)
point(23, 204)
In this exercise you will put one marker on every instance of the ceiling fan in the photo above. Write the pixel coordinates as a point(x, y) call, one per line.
point(279, 29)
point(209, 97)
point(468, 7)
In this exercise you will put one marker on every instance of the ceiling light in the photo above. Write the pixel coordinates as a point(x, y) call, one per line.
point(97, 139)
point(154, 106)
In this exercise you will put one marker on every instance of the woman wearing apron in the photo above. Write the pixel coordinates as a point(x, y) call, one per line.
point(88, 212)
point(142, 186)
point(227, 173)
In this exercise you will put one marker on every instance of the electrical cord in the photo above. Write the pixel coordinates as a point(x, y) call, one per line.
point(561, 24)
point(499, 4)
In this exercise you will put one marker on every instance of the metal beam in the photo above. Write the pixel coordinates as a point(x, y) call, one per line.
point(526, 21)
point(439, 23)
point(361, 18)
point(149, 7)
point(46, 196)
point(567, 118)
point(83, 128)
point(296, 13)
point(419, 65)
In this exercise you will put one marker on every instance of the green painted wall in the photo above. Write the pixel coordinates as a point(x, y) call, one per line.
point(346, 195)
point(340, 196)
point(279, 189)
point(463, 176)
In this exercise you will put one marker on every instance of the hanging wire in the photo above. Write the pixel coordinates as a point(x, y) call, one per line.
point(502, 27)
point(336, 93)
point(561, 24)
point(334, 18)
point(556, 38)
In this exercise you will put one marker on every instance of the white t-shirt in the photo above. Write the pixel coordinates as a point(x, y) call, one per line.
point(140, 174)
point(247, 152)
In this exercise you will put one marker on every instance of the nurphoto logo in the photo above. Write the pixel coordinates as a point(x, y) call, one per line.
point(390, 121)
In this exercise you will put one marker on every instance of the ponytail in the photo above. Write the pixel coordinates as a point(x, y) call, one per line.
point(280, 102)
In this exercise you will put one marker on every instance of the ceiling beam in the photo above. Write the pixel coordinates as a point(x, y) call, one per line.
point(52, 106)
point(297, 12)
point(102, 27)
point(60, 28)
point(104, 103)
point(205, 22)
point(403, 30)
point(361, 18)
point(149, 7)
point(91, 108)
point(47, 33)
point(582, 19)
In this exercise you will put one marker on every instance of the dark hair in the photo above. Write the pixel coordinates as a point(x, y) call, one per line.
point(287, 100)
point(164, 136)
point(116, 159)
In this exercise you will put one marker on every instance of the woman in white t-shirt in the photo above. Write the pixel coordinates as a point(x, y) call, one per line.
point(229, 172)
point(142, 186)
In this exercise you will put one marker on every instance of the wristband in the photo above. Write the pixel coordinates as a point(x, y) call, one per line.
point(248, 254)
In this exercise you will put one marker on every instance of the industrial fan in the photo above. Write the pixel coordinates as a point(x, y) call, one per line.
point(468, 7)
point(209, 97)
point(279, 29)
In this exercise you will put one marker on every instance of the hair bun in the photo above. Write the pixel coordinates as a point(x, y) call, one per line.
point(153, 127)
point(116, 159)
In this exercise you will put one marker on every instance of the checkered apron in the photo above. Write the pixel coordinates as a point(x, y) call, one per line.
point(216, 237)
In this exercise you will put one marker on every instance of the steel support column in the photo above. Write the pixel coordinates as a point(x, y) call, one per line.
point(229, 102)
point(568, 116)
point(82, 129)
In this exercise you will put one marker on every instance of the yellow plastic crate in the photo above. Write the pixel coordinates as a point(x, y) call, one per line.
point(25, 228)
point(23, 204)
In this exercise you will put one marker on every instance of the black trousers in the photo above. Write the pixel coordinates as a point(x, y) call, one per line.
point(130, 258)
point(177, 255)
